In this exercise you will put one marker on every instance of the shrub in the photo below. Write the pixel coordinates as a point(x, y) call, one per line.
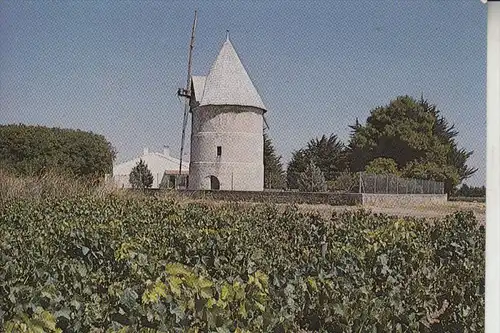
point(312, 179)
point(470, 191)
point(141, 263)
point(141, 177)
point(345, 182)
point(383, 166)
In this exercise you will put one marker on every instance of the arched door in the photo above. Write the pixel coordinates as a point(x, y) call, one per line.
point(214, 183)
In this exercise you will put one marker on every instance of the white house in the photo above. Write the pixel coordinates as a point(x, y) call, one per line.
point(227, 143)
point(164, 168)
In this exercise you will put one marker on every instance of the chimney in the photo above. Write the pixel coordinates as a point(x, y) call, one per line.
point(145, 151)
point(166, 151)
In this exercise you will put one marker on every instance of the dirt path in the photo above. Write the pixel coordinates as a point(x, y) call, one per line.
point(424, 211)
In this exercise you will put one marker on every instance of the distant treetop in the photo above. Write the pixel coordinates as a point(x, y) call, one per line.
point(32, 150)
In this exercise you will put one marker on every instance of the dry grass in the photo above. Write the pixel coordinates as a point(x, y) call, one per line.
point(53, 185)
point(49, 185)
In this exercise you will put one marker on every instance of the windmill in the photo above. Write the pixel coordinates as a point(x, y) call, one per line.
point(186, 93)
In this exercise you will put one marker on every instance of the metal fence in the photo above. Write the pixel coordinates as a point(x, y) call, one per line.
point(391, 184)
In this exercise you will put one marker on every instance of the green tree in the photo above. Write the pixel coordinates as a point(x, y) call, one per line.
point(327, 153)
point(141, 177)
point(470, 191)
point(33, 150)
point(274, 176)
point(297, 164)
point(382, 165)
point(456, 157)
point(416, 137)
point(312, 179)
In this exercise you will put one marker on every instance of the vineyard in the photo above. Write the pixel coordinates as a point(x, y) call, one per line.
point(116, 263)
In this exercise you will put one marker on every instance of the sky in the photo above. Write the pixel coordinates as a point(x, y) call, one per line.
point(114, 67)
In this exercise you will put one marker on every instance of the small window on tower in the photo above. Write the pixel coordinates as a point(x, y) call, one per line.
point(219, 151)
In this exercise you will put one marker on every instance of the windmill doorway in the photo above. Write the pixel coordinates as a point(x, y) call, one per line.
point(214, 183)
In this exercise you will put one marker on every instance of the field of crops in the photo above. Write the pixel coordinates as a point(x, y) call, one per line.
point(129, 263)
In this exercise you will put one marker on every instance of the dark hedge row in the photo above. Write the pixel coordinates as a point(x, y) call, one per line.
point(279, 197)
point(145, 264)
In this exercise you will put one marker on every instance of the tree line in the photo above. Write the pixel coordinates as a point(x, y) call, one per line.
point(471, 191)
point(408, 137)
point(35, 150)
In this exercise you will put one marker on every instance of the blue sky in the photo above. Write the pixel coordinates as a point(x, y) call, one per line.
point(113, 67)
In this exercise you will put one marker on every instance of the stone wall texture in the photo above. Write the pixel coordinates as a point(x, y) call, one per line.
point(238, 131)
point(279, 197)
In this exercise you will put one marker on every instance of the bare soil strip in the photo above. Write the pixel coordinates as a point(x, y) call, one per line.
point(423, 211)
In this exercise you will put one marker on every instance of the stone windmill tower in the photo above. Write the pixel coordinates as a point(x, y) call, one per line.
point(227, 144)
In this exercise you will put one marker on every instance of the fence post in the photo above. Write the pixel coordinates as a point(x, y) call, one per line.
point(375, 185)
point(359, 185)
point(387, 183)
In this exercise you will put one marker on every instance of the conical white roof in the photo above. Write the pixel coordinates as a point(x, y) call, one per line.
point(228, 82)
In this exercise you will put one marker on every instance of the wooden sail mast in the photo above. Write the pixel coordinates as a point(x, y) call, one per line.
point(187, 92)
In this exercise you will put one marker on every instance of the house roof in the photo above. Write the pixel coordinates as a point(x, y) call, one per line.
point(156, 162)
point(227, 83)
point(198, 84)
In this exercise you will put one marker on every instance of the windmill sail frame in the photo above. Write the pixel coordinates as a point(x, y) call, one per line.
point(186, 93)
